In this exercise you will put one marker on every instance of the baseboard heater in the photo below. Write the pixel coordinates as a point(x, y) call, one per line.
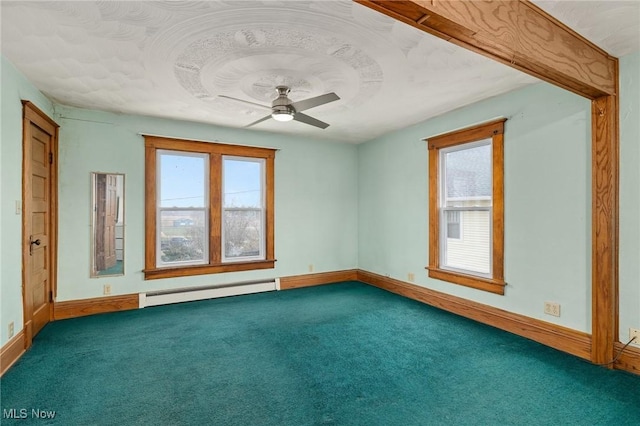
point(189, 294)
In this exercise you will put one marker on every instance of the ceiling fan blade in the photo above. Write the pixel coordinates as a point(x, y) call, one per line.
point(244, 102)
point(304, 118)
point(314, 102)
point(259, 121)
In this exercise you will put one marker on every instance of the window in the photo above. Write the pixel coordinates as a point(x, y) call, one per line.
point(209, 208)
point(453, 225)
point(466, 194)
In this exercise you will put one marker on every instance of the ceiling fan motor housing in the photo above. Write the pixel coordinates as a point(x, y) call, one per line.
point(282, 104)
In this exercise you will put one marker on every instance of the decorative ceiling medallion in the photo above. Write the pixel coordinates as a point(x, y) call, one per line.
point(219, 53)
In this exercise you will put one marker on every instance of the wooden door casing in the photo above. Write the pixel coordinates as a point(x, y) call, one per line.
point(39, 219)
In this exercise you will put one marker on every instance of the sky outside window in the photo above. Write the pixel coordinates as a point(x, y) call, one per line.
point(182, 180)
point(242, 183)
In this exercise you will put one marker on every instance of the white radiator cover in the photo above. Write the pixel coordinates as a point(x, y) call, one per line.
point(190, 294)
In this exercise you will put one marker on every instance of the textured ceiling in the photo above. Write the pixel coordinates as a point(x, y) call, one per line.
point(173, 59)
point(612, 25)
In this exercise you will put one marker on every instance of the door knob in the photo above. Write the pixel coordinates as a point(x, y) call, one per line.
point(33, 242)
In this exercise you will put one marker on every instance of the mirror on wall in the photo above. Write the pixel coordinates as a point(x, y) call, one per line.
point(107, 224)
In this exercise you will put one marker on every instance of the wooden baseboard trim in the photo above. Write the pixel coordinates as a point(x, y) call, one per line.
point(11, 352)
point(100, 305)
point(629, 359)
point(308, 280)
point(565, 339)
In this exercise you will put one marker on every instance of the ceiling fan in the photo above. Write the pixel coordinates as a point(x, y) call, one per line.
point(283, 109)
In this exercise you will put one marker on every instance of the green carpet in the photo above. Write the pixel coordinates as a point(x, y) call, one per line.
point(117, 269)
point(344, 354)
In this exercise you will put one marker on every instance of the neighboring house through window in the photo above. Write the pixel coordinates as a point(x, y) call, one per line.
point(466, 235)
point(454, 230)
point(209, 208)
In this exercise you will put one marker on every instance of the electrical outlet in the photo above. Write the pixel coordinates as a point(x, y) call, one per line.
point(552, 308)
point(11, 330)
point(411, 277)
point(311, 267)
point(107, 289)
point(634, 332)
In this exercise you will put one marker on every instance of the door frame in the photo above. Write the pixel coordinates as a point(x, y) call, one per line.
point(32, 114)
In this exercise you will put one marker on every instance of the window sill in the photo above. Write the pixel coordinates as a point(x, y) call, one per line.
point(487, 284)
point(185, 271)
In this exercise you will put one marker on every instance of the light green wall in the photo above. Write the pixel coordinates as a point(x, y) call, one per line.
point(315, 197)
point(629, 194)
point(14, 88)
point(547, 202)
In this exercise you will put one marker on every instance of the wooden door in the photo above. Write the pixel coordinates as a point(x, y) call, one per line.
point(100, 191)
point(111, 214)
point(106, 215)
point(39, 228)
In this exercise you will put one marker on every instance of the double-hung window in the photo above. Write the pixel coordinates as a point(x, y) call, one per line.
point(209, 208)
point(466, 235)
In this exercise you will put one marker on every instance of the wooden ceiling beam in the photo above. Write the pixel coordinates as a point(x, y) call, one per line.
point(516, 33)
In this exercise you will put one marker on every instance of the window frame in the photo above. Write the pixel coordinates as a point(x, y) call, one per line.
point(493, 130)
point(215, 151)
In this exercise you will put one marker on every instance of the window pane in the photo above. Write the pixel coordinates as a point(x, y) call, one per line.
point(242, 219)
point(467, 184)
point(183, 236)
point(453, 224)
point(182, 179)
point(242, 233)
point(473, 253)
point(468, 177)
point(243, 182)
